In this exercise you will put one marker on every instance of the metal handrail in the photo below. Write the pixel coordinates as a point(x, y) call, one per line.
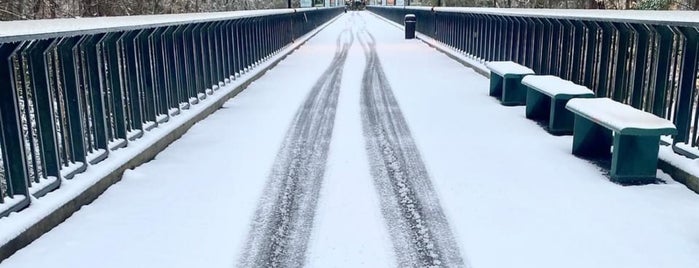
point(74, 90)
point(647, 59)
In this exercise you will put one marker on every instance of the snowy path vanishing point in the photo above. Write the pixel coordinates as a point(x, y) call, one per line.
point(284, 219)
point(420, 231)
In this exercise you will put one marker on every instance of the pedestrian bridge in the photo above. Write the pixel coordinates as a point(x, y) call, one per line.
point(320, 138)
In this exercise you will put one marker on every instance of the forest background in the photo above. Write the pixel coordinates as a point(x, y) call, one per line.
point(46, 9)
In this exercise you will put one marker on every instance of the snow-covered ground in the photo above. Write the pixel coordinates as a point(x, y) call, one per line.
point(513, 195)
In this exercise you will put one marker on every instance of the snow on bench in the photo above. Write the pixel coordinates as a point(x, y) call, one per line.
point(506, 68)
point(547, 96)
point(505, 81)
point(553, 86)
point(620, 117)
point(635, 135)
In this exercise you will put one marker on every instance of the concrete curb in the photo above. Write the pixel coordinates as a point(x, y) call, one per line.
point(58, 216)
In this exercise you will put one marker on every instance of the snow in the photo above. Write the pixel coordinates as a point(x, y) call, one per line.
point(552, 85)
point(161, 118)
point(91, 157)
point(9, 202)
point(43, 182)
point(503, 68)
point(71, 168)
point(514, 195)
point(149, 125)
point(134, 134)
point(116, 144)
point(618, 116)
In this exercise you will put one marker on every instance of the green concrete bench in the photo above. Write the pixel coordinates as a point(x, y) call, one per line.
point(547, 96)
point(505, 82)
point(635, 134)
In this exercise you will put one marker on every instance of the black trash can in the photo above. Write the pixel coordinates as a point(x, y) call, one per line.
point(410, 23)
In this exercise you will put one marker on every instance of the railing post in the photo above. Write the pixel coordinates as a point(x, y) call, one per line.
point(491, 41)
point(228, 31)
point(238, 46)
point(578, 49)
point(131, 85)
point(539, 45)
point(621, 73)
point(662, 67)
point(114, 87)
point(509, 44)
point(13, 151)
point(687, 86)
point(498, 42)
point(201, 60)
point(590, 53)
point(169, 38)
point(180, 70)
point(567, 48)
point(145, 77)
point(530, 42)
point(546, 55)
point(219, 56)
point(189, 64)
point(604, 61)
point(94, 81)
point(244, 45)
point(519, 34)
point(555, 47)
point(640, 64)
point(43, 101)
point(67, 53)
point(160, 90)
point(215, 55)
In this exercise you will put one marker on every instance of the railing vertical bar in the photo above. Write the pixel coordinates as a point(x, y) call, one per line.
point(578, 47)
point(131, 85)
point(147, 80)
point(43, 101)
point(605, 60)
point(687, 87)
point(539, 46)
point(546, 55)
point(93, 77)
point(567, 48)
point(13, 154)
point(67, 54)
point(621, 73)
point(555, 47)
point(661, 70)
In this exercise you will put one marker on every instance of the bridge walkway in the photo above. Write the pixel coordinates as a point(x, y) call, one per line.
point(362, 149)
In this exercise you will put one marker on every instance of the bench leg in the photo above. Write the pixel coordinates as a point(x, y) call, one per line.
point(513, 92)
point(590, 139)
point(561, 119)
point(635, 159)
point(495, 86)
point(537, 104)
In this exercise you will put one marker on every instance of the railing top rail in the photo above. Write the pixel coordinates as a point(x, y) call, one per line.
point(657, 17)
point(12, 31)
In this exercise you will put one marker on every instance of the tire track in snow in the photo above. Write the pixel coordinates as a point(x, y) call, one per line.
point(284, 218)
point(419, 230)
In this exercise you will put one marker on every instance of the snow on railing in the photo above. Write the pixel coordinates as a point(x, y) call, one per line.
point(647, 59)
point(72, 91)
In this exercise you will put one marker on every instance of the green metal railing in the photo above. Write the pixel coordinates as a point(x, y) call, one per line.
point(647, 59)
point(68, 98)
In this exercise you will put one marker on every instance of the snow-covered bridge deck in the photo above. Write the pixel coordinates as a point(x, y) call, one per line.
point(353, 153)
